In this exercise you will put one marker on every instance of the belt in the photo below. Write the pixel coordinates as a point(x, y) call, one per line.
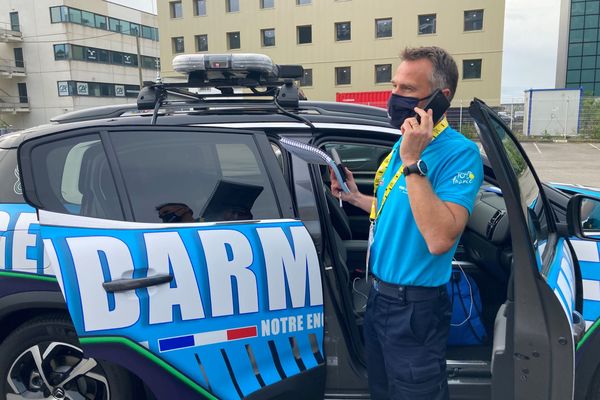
point(408, 293)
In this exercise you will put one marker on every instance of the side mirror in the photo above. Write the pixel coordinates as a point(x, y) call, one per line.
point(583, 216)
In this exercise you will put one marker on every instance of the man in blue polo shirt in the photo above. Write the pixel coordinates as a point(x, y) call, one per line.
point(424, 193)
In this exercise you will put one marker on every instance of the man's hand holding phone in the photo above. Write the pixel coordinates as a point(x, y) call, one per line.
point(416, 136)
point(336, 187)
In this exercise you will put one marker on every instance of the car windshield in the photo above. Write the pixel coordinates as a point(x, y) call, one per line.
point(10, 185)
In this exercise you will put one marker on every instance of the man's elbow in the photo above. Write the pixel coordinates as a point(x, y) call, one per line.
point(439, 246)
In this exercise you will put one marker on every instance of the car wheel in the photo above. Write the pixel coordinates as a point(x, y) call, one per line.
point(42, 360)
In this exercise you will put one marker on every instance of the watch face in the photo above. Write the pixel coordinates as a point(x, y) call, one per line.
point(422, 167)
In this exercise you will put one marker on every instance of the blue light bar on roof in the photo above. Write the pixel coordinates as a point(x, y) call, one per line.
point(243, 62)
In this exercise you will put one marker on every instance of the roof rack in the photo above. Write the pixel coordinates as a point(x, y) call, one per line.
point(225, 72)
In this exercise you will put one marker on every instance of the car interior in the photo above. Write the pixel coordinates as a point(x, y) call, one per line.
point(484, 254)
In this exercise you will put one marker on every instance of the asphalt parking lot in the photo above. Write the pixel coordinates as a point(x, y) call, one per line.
point(566, 162)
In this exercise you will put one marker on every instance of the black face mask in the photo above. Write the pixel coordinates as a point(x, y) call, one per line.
point(402, 107)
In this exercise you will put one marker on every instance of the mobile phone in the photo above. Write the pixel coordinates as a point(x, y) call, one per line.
point(439, 103)
point(338, 163)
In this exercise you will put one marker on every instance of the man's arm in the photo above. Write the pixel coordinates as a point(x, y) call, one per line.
point(439, 222)
point(355, 197)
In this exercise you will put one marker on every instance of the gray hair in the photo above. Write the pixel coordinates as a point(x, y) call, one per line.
point(444, 73)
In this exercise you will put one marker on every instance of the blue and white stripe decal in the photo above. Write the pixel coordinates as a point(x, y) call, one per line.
point(245, 296)
point(588, 254)
point(561, 278)
point(20, 241)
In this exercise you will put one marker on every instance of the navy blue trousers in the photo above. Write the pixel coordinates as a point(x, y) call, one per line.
point(405, 344)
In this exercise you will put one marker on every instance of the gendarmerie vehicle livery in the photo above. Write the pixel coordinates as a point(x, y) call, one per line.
point(183, 252)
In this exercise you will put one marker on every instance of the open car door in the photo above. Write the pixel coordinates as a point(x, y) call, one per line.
point(180, 259)
point(533, 354)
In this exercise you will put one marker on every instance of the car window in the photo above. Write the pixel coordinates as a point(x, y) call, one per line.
point(361, 159)
point(73, 176)
point(169, 177)
point(533, 206)
point(10, 185)
point(192, 177)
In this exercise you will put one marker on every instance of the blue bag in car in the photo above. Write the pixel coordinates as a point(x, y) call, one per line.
point(466, 328)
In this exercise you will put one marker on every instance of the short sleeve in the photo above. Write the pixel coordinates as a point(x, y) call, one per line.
point(460, 177)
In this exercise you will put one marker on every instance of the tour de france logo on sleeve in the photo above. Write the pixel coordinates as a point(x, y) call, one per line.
point(463, 178)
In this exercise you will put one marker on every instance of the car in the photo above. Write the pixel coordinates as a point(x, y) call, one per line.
point(182, 251)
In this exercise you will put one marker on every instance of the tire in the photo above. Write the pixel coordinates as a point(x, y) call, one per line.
point(49, 343)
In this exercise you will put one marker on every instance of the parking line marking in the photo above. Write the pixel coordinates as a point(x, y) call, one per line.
point(537, 148)
point(596, 147)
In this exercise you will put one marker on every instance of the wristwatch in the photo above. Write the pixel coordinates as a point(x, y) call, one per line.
point(417, 168)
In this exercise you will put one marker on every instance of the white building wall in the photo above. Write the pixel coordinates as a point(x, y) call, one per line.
point(43, 71)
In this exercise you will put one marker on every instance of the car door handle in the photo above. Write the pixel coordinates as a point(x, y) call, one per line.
point(123, 285)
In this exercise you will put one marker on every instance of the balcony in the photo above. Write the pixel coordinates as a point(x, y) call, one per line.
point(13, 105)
point(9, 35)
point(10, 68)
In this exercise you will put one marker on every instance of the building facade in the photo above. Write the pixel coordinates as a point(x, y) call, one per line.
point(344, 45)
point(63, 55)
point(578, 61)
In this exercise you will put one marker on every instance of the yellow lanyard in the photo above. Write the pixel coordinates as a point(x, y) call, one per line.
point(437, 129)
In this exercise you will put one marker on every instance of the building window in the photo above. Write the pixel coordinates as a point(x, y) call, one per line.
point(306, 79)
point(176, 11)
point(61, 52)
point(473, 20)
point(22, 88)
point(472, 69)
point(383, 73)
point(303, 2)
point(134, 29)
point(96, 89)
point(267, 37)
point(233, 40)
point(104, 56)
point(19, 61)
point(126, 27)
point(202, 42)
point(87, 18)
point(199, 7)
point(343, 31)
point(592, 7)
point(343, 76)
point(116, 58)
point(232, 5)
point(114, 25)
point(149, 33)
point(75, 15)
point(427, 24)
point(100, 21)
point(383, 28)
point(59, 14)
point(267, 3)
point(177, 44)
point(304, 34)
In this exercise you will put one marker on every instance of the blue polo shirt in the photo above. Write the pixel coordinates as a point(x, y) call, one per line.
point(399, 253)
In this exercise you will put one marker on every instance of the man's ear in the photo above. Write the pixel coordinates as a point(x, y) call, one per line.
point(446, 92)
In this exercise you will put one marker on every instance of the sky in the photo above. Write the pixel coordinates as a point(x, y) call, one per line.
point(530, 44)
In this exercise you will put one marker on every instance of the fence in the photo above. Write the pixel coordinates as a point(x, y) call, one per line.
point(557, 120)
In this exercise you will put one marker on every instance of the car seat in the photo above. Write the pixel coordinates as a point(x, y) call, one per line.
point(351, 252)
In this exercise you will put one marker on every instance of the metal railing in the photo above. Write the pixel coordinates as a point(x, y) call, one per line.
point(11, 67)
point(14, 104)
point(8, 34)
